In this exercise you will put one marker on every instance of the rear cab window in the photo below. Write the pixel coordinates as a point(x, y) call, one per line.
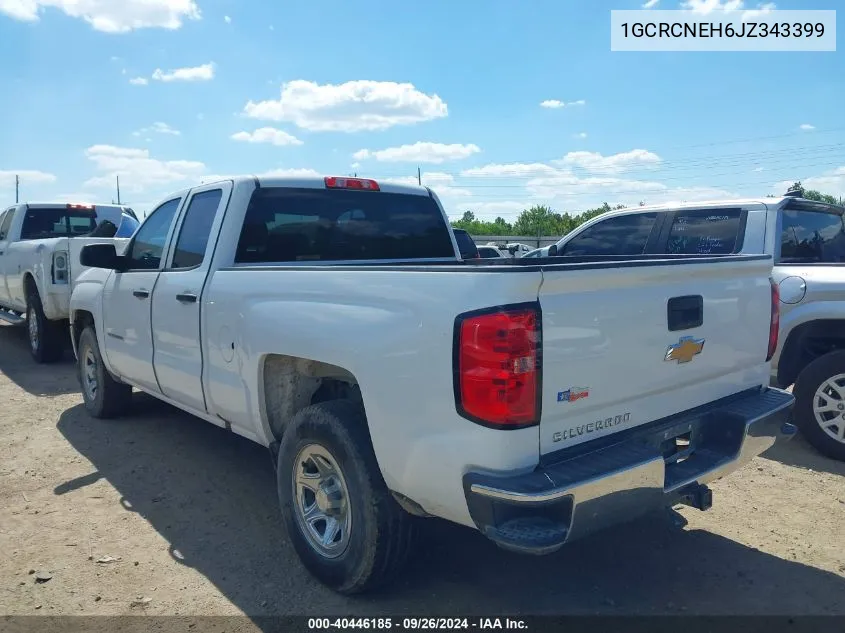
point(812, 236)
point(285, 225)
point(43, 223)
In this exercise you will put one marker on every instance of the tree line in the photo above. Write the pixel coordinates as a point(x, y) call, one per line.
point(543, 220)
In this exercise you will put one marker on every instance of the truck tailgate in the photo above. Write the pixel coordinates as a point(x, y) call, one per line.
point(622, 347)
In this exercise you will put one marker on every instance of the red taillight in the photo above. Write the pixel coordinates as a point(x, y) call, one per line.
point(498, 369)
point(362, 184)
point(774, 324)
point(80, 206)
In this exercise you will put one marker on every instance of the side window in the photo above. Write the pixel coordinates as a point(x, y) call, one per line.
point(196, 228)
point(812, 237)
point(148, 245)
point(5, 223)
point(704, 232)
point(621, 235)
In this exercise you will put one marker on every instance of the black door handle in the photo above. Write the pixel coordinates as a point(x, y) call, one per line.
point(685, 313)
point(186, 297)
point(141, 294)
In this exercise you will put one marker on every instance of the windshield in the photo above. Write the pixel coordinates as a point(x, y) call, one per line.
point(127, 227)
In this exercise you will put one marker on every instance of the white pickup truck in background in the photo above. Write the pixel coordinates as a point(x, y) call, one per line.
point(334, 322)
point(39, 245)
point(806, 240)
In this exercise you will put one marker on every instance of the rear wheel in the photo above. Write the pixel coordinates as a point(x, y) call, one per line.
point(820, 404)
point(346, 527)
point(45, 342)
point(103, 396)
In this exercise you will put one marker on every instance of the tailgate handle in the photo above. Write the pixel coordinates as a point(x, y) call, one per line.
point(685, 313)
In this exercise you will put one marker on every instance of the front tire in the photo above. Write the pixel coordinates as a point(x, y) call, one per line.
point(103, 396)
point(45, 343)
point(820, 404)
point(346, 527)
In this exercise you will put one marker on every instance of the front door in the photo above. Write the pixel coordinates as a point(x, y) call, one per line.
point(127, 300)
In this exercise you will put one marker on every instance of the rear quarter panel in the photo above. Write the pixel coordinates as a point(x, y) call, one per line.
point(393, 330)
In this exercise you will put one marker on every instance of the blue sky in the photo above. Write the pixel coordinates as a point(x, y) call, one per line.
point(168, 93)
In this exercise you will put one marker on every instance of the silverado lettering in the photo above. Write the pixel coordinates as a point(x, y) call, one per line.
point(591, 427)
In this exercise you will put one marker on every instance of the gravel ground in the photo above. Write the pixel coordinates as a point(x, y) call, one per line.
point(161, 513)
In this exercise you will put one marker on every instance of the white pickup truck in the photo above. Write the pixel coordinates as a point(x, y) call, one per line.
point(806, 240)
point(334, 322)
point(39, 243)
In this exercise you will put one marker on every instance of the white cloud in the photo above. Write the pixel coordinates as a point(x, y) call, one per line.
point(283, 172)
point(708, 6)
point(555, 103)
point(227, 19)
point(807, 127)
point(420, 152)
point(355, 165)
point(267, 135)
point(139, 81)
point(30, 180)
point(509, 169)
point(615, 163)
point(758, 169)
point(349, 107)
point(137, 169)
point(157, 128)
point(650, 4)
point(580, 135)
point(195, 73)
point(442, 184)
point(110, 16)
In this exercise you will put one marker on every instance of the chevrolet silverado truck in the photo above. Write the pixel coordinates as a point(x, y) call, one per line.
point(333, 321)
point(39, 243)
point(806, 240)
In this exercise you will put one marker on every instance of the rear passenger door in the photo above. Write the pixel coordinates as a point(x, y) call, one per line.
point(177, 298)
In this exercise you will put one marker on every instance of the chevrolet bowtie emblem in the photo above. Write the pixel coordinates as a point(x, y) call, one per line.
point(685, 349)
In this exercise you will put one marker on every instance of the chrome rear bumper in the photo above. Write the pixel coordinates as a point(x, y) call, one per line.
point(615, 479)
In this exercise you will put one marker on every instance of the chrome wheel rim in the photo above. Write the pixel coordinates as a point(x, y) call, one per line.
point(321, 501)
point(89, 374)
point(32, 327)
point(829, 407)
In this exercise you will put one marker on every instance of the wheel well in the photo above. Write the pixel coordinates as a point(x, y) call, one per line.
point(292, 383)
point(29, 285)
point(81, 320)
point(806, 343)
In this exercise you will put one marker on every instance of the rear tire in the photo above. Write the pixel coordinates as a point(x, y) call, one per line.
point(103, 396)
point(819, 394)
point(326, 447)
point(45, 342)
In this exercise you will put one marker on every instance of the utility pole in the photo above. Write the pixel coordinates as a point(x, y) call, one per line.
point(17, 187)
point(118, 189)
point(419, 176)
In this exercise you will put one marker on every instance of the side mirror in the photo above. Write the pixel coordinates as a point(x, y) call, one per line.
point(552, 251)
point(100, 256)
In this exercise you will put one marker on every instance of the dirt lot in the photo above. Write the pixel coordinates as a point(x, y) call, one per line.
point(189, 512)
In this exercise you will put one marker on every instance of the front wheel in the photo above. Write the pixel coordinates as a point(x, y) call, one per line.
point(103, 396)
point(346, 527)
point(820, 404)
